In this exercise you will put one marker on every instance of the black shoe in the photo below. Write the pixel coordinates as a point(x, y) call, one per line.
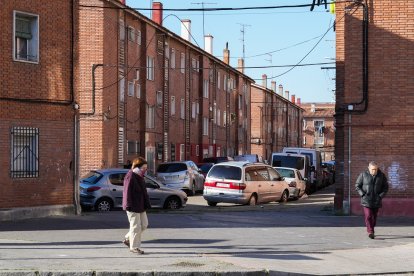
point(137, 251)
point(126, 242)
point(371, 235)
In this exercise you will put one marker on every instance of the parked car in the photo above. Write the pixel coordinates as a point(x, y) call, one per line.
point(254, 158)
point(244, 183)
point(181, 175)
point(102, 190)
point(217, 159)
point(205, 167)
point(297, 184)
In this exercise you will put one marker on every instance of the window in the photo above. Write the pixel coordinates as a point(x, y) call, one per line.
point(138, 90)
point(197, 150)
point(159, 98)
point(240, 102)
point(224, 118)
point(205, 126)
point(150, 117)
point(172, 108)
point(150, 68)
point(182, 63)
point(121, 87)
point(121, 30)
point(319, 132)
point(132, 147)
point(205, 88)
point(193, 110)
point(225, 83)
point(218, 80)
point(215, 119)
point(137, 74)
point(138, 32)
point(182, 152)
point(218, 117)
point(131, 91)
point(182, 109)
point(26, 37)
point(131, 34)
point(117, 179)
point(193, 64)
point(24, 152)
point(198, 107)
point(172, 59)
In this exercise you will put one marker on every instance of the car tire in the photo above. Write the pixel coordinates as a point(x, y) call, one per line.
point(172, 203)
point(211, 203)
point(253, 200)
point(104, 205)
point(284, 197)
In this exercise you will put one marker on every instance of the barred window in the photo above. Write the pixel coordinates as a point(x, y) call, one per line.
point(24, 152)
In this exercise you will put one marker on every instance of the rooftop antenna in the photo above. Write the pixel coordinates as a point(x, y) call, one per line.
point(243, 31)
point(202, 6)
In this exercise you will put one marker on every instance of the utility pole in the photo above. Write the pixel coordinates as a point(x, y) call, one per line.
point(243, 31)
point(202, 6)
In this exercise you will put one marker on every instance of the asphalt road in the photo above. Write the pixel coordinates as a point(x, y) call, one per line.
point(302, 237)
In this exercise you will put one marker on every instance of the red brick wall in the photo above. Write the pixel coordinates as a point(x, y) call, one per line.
point(50, 81)
point(384, 132)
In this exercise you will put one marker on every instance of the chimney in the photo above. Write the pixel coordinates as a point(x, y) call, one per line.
point(186, 29)
point(313, 107)
point(264, 80)
point(240, 65)
point(226, 54)
point(157, 12)
point(273, 84)
point(122, 2)
point(298, 101)
point(208, 43)
point(281, 90)
point(293, 98)
point(287, 95)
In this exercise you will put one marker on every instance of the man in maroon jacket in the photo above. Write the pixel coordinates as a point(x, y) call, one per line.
point(135, 202)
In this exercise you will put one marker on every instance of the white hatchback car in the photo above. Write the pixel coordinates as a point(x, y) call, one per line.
point(297, 184)
point(244, 183)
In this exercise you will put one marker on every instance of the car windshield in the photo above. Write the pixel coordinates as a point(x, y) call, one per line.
point(225, 172)
point(288, 161)
point(286, 173)
point(92, 177)
point(171, 167)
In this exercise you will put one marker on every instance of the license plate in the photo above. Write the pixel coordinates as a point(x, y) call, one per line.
point(223, 185)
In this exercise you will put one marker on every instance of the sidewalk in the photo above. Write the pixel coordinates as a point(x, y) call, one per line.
point(298, 240)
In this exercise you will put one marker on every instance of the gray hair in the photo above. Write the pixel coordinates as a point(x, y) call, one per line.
point(373, 164)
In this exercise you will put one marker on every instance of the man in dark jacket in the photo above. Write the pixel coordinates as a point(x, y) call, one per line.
point(135, 202)
point(372, 186)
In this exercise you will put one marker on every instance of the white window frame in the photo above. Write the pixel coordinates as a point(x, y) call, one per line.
point(182, 152)
point(138, 89)
point(139, 37)
point(218, 80)
point(224, 118)
point(159, 99)
point(218, 117)
point(32, 46)
point(182, 63)
point(150, 68)
point(206, 85)
point(131, 90)
point(172, 58)
point(172, 106)
point(182, 109)
point(150, 117)
point(193, 109)
point(131, 33)
point(205, 126)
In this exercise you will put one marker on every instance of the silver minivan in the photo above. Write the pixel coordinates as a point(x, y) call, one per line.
point(244, 183)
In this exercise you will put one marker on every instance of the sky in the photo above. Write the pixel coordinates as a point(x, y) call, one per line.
point(272, 37)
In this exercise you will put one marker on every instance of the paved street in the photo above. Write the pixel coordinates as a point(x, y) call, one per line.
point(302, 237)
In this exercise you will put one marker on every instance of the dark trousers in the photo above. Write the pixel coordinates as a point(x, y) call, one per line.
point(370, 218)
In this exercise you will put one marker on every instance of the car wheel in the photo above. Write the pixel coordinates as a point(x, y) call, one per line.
point(210, 203)
point(172, 203)
point(284, 197)
point(253, 200)
point(103, 205)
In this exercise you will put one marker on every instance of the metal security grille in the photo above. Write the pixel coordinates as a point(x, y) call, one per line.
point(24, 152)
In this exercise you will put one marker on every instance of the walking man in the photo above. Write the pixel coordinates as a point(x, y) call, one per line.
point(372, 186)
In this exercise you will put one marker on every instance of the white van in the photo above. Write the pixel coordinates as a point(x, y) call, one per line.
point(315, 160)
point(300, 162)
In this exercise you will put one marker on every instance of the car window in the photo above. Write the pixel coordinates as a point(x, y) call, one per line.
point(225, 172)
point(149, 183)
point(117, 178)
point(286, 173)
point(171, 167)
point(263, 174)
point(273, 174)
point(92, 177)
point(205, 167)
point(299, 175)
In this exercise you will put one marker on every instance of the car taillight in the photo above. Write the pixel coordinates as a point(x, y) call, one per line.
point(210, 184)
point(238, 186)
point(93, 189)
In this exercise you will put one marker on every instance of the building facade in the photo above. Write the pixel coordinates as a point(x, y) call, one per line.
point(37, 115)
point(374, 92)
point(144, 90)
point(319, 128)
point(276, 122)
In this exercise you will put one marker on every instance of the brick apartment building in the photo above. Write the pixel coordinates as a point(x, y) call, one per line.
point(276, 122)
point(375, 99)
point(319, 128)
point(36, 107)
point(143, 90)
